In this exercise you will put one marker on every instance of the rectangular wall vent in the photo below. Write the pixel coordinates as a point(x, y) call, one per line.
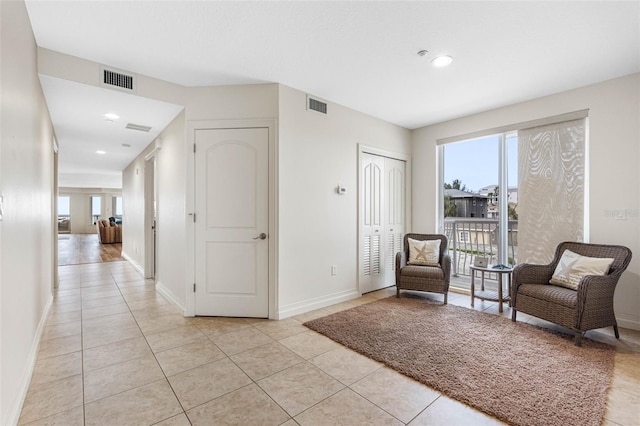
point(138, 127)
point(118, 80)
point(316, 105)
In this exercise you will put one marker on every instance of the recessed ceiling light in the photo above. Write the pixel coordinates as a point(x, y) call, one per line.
point(442, 61)
point(125, 145)
point(111, 116)
point(101, 152)
point(423, 52)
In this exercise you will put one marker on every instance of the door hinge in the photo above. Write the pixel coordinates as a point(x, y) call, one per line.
point(194, 287)
point(194, 148)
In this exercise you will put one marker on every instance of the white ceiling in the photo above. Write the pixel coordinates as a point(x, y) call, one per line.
point(77, 111)
point(359, 54)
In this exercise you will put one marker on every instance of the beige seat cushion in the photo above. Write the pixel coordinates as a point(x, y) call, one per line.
point(550, 293)
point(433, 272)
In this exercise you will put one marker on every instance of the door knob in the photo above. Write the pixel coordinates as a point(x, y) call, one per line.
point(262, 236)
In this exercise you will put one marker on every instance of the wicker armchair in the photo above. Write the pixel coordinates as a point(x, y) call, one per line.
point(587, 308)
point(424, 278)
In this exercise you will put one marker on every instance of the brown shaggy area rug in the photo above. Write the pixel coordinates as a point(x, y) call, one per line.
point(519, 373)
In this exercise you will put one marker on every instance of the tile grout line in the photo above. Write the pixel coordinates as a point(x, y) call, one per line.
point(382, 366)
point(84, 410)
point(82, 345)
point(255, 382)
point(254, 325)
point(152, 352)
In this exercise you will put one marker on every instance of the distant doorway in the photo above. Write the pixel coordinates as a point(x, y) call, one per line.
point(150, 215)
point(64, 214)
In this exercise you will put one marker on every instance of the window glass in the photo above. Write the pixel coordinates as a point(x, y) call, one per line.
point(118, 206)
point(96, 208)
point(471, 201)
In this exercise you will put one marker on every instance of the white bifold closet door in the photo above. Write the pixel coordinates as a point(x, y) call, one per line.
point(382, 215)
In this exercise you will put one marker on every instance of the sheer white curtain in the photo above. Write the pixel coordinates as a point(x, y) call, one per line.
point(551, 188)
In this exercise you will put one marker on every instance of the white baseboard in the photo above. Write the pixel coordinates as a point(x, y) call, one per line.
point(169, 295)
point(21, 394)
point(133, 263)
point(316, 303)
point(632, 324)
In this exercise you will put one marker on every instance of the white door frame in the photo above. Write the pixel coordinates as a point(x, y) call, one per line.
point(54, 218)
point(151, 194)
point(192, 126)
point(407, 191)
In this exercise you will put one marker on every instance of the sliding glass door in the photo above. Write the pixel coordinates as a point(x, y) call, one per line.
point(479, 214)
point(513, 196)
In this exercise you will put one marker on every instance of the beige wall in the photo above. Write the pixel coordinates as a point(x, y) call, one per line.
point(614, 177)
point(133, 187)
point(172, 219)
point(26, 229)
point(317, 227)
point(202, 104)
point(232, 102)
point(72, 68)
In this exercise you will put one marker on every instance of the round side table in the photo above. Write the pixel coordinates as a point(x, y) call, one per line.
point(491, 295)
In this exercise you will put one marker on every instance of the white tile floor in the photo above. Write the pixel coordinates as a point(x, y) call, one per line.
point(115, 352)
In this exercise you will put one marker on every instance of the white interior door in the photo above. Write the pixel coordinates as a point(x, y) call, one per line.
point(232, 219)
point(394, 217)
point(372, 222)
point(150, 216)
point(382, 207)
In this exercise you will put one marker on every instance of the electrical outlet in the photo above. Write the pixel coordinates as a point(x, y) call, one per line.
point(334, 269)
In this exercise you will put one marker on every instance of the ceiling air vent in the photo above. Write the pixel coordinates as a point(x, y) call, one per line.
point(118, 80)
point(316, 105)
point(138, 127)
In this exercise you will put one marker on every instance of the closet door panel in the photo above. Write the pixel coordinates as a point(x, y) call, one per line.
point(382, 207)
point(395, 217)
point(372, 226)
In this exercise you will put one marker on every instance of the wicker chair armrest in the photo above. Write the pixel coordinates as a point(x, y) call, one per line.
point(529, 273)
point(595, 294)
point(446, 267)
point(593, 288)
point(401, 262)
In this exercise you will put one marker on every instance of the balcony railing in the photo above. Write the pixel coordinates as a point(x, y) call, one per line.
point(471, 237)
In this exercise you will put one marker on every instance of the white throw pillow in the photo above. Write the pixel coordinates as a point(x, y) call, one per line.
point(572, 267)
point(425, 253)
